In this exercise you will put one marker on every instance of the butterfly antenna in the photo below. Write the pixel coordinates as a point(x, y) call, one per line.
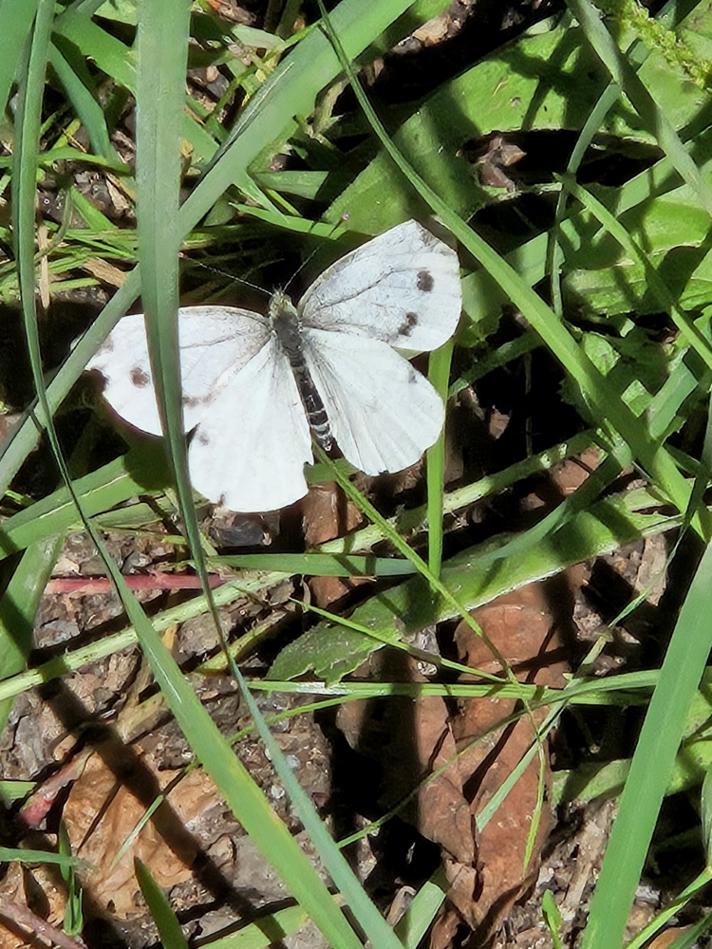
point(344, 217)
point(232, 276)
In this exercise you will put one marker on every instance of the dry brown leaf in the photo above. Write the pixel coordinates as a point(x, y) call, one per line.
point(524, 628)
point(563, 480)
point(102, 811)
point(327, 514)
point(40, 888)
point(669, 937)
point(104, 271)
point(457, 762)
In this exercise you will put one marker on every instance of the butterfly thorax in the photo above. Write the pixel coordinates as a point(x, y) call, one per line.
point(287, 327)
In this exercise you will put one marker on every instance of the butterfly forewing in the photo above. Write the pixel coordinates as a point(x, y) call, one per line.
point(215, 342)
point(402, 287)
point(250, 450)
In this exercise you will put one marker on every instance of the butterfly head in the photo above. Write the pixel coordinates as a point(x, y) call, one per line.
point(281, 309)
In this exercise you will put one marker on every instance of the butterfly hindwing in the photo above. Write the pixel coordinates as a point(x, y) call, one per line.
point(250, 450)
point(214, 341)
point(402, 287)
point(383, 413)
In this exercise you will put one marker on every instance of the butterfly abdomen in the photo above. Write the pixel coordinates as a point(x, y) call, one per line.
point(285, 322)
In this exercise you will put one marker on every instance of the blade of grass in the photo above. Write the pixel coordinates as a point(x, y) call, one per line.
point(615, 413)
point(268, 930)
point(16, 17)
point(290, 92)
point(439, 375)
point(414, 924)
point(637, 92)
point(645, 786)
point(87, 108)
point(320, 565)
point(169, 929)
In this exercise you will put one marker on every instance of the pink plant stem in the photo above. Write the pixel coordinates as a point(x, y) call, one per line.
point(149, 581)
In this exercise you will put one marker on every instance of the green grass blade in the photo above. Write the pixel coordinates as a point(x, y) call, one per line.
point(671, 909)
point(320, 565)
point(645, 786)
point(267, 931)
point(162, 55)
point(23, 855)
point(290, 92)
point(169, 928)
point(87, 108)
point(608, 404)
point(416, 921)
point(628, 80)
point(439, 375)
point(16, 17)
point(18, 609)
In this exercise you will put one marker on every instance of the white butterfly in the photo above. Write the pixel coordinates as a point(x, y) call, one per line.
point(256, 388)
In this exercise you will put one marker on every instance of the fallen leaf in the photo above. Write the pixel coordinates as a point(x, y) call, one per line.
point(39, 888)
point(670, 937)
point(327, 514)
point(525, 629)
point(101, 812)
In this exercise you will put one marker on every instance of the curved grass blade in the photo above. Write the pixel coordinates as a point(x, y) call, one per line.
point(618, 418)
point(241, 793)
point(87, 108)
point(645, 786)
point(647, 108)
point(169, 929)
point(23, 855)
point(289, 93)
point(439, 375)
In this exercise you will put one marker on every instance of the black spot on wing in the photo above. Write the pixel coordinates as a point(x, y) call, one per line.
point(408, 324)
point(192, 401)
point(202, 437)
point(425, 281)
point(139, 378)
